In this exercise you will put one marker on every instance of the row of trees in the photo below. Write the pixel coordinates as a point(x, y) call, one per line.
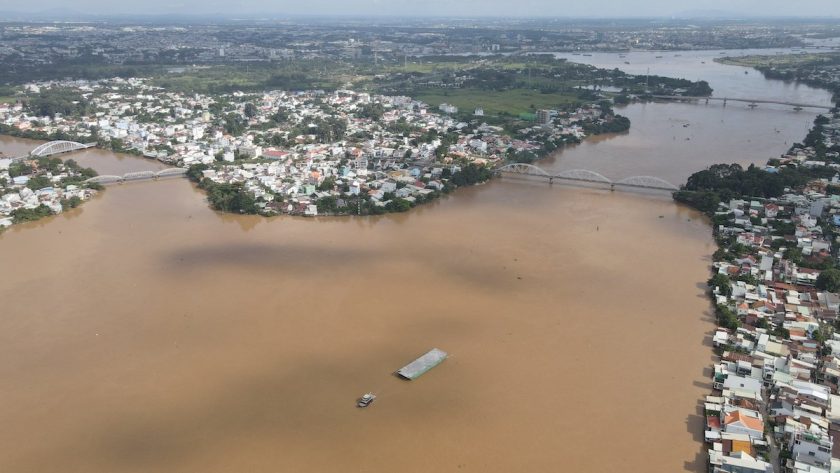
point(705, 189)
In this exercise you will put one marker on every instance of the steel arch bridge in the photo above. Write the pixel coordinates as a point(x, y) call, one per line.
point(587, 176)
point(57, 147)
point(138, 176)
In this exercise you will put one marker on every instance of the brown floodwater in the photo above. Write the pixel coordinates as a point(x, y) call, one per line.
point(145, 332)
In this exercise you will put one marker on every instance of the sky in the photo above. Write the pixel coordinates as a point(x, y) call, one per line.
point(520, 8)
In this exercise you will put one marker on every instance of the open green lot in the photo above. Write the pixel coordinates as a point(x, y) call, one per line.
point(512, 102)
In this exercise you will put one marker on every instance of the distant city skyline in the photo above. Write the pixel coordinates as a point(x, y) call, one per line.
point(476, 8)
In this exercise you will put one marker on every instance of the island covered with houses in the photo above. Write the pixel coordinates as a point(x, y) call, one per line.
point(278, 152)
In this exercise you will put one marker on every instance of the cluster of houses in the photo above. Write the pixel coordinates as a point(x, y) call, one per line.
point(15, 195)
point(812, 156)
point(775, 404)
point(284, 144)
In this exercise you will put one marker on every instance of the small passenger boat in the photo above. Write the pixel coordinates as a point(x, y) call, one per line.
point(365, 400)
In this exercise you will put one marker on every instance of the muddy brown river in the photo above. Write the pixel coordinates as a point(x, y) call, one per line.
point(144, 332)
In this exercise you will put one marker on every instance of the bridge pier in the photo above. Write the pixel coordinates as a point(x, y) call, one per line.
point(612, 187)
point(550, 180)
point(724, 102)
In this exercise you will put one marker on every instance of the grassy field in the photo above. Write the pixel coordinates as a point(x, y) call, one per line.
point(513, 102)
point(256, 77)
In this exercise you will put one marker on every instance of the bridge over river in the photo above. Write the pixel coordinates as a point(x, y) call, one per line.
point(54, 147)
point(61, 146)
point(138, 176)
point(750, 102)
point(589, 177)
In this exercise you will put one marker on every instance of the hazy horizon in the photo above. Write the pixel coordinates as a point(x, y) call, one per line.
point(437, 8)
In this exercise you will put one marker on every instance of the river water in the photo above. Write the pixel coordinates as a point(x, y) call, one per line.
point(145, 332)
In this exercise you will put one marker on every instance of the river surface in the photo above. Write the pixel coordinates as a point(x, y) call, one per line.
point(145, 332)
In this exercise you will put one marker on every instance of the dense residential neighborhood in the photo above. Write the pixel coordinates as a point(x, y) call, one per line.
point(776, 405)
point(302, 153)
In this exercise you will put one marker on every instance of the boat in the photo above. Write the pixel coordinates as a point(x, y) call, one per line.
point(365, 400)
point(626, 62)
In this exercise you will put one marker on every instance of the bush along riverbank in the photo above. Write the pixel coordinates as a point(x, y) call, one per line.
point(774, 287)
point(37, 188)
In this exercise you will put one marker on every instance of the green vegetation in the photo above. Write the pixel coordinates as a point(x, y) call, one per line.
point(511, 102)
point(781, 60)
point(726, 317)
point(829, 280)
point(51, 102)
point(194, 172)
point(720, 281)
point(71, 203)
point(300, 75)
point(18, 169)
point(30, 215)
point(471, 174)
point(39, 182)
point(224, 197)
point(229, 197)
point(705, 189)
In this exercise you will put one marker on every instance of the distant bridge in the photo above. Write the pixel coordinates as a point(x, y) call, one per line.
point(591, 177)
point(138, 176)
point(751, 102)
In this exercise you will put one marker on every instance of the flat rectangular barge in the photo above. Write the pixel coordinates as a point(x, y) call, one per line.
point(419, 366)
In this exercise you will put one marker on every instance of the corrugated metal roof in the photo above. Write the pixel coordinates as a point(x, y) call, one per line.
point(419, 366)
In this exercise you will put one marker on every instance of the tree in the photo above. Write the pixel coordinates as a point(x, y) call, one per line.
point(196, 172)
point(19, 169)
point(720, 281)
point(829, 280)
point(39, 182)
point(229, 197)
point(27, 215)
point(71, 203)
point(327, 184)
point(250, 110)
point(727, 318)
point(471, 174)
point(398, 205)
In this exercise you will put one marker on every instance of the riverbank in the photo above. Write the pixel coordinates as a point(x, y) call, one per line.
point(775, 283)
point(816, 69)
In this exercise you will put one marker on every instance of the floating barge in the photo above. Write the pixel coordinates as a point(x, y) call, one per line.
point(416, 368)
